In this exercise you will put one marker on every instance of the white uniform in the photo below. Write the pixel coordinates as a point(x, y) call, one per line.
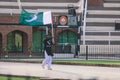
point(48, 60)
point(47, 53)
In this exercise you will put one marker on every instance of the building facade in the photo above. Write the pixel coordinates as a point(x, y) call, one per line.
point(19, 38)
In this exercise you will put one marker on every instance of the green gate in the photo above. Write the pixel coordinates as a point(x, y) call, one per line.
point(68, 37)
point(38, 37)
point(15, 41)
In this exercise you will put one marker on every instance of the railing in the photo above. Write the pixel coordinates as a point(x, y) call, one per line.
point(109, 37)
point(60, 51)
point(65, 51)
point(109, 52)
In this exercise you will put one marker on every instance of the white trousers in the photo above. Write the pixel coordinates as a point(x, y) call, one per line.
point(48, 60)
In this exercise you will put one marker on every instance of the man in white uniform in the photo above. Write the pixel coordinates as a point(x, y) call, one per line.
point(48, 52)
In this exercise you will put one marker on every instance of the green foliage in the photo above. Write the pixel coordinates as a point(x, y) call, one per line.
point(3, 78)
point(18, 78)
point(89, 61)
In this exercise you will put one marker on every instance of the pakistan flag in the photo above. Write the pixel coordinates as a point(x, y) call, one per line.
point(35, 19)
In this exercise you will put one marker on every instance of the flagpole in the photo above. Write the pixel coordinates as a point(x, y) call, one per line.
point(19, 4)
point(46, 30)
point(52, 33)
point(52, 29)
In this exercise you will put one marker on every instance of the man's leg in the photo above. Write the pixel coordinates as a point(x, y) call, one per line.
point(45, 61)
point(49, 62)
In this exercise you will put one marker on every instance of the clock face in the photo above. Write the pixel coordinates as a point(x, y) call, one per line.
point(63, 20)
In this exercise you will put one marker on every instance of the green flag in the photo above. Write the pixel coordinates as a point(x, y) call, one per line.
point(35, 19)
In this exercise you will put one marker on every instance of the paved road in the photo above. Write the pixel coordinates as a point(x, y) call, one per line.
point(61, 71)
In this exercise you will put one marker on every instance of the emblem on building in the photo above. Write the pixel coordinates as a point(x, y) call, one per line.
point(63, 20)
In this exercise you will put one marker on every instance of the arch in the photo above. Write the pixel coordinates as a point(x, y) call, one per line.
point(68, 37)
point(37, 40)
point(67, 29)
point(17, 41)
point(18, 29)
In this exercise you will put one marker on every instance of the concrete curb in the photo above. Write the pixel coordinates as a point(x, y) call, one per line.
point(65, 63)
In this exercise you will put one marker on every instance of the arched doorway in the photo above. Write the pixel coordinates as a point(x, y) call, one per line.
point(16, 41)
point(68, 37)
point(37, 41)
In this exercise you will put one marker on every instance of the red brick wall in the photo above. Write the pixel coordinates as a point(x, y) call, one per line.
point(5, 29)
point(27, 32)
point(9, 19)
point(95, 2)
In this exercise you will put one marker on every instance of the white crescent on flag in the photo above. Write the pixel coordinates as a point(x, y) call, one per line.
point(32, 19)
